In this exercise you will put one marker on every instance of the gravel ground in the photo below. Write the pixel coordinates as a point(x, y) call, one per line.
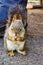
point(35, 22)
point(34, 45)
point(34, 48)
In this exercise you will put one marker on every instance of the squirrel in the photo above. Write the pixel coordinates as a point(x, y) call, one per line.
point(14, 37)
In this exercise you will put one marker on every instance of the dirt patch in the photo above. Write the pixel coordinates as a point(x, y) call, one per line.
point(35, 22)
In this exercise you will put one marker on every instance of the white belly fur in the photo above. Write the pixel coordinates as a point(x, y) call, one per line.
point(13, 46)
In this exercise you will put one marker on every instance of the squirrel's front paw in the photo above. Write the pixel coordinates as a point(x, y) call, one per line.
point(20, 38)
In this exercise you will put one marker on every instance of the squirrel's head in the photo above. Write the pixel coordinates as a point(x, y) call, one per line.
point(16, 23)
point(17, 16)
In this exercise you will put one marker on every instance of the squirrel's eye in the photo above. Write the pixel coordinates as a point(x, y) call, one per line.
point(20, 29)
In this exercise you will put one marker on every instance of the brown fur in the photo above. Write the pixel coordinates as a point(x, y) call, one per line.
point(15, 17)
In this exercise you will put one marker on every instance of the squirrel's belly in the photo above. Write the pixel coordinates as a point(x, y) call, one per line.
point(21, 45)
point(13, 46)
point(10, 45)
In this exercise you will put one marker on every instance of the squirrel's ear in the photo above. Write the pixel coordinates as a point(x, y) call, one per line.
point(14, 17)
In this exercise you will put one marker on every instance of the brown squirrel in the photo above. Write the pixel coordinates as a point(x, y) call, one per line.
point(14, 38)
